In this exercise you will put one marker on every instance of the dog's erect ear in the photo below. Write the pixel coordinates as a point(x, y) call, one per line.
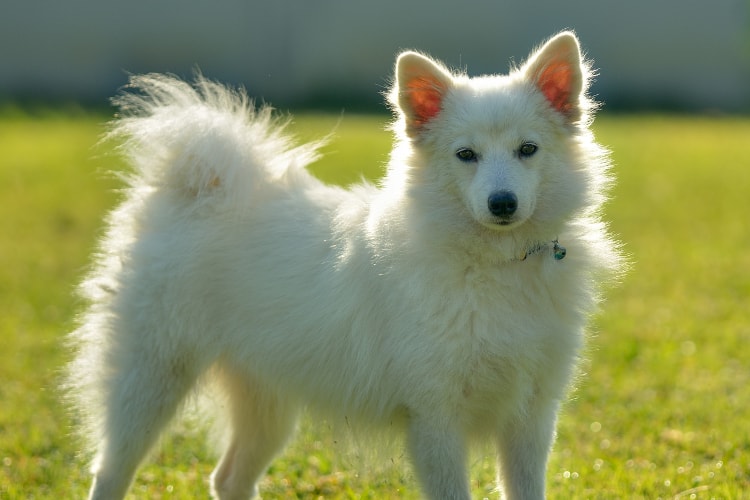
point(557, 71)
point(421, 84)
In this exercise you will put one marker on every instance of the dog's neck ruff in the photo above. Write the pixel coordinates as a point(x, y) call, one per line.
point(558, 252)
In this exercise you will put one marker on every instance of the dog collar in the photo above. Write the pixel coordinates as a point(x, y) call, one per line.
point(558, 252)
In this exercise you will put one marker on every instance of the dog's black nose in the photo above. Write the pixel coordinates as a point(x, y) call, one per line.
point(502, 203)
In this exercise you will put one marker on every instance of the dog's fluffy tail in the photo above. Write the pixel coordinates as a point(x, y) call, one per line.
point(203, 138)
point(195, 145)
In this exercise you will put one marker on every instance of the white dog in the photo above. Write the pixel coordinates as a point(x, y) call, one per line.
point(451, 299)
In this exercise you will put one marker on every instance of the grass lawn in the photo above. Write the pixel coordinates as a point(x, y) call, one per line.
point(661, 411)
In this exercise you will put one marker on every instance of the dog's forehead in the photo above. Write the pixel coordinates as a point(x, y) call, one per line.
point(492, 89)
point(494, 99)
point(488, 82)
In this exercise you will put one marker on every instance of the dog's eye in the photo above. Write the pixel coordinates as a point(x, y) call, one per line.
point(527, 149)
point(466, 155)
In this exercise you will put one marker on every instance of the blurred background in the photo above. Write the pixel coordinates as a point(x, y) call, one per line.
point(688, 55)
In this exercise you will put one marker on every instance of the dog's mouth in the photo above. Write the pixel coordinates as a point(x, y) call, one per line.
point(507, 221)
point(500, 224)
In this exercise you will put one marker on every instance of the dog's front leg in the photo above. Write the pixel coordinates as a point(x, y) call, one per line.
point(523, 448)
point(438, 451)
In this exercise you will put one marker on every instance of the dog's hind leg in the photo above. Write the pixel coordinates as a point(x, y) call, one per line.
point(261, 423)
point(141, 398)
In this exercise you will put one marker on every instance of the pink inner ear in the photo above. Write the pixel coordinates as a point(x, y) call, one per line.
point(555, 82)
point(425, 97)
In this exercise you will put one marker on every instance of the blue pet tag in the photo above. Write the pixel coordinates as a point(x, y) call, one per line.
point(558, 251)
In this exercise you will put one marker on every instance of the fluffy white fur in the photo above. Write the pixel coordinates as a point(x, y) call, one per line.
point(411, 303)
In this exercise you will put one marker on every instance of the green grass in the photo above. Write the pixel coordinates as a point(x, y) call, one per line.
point(661, 411)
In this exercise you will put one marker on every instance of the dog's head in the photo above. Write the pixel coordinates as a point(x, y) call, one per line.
point(508, 146)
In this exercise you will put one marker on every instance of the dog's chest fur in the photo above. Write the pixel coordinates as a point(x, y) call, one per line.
point(492, 338)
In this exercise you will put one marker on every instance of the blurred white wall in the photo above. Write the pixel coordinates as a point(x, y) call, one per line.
point(693, 54)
